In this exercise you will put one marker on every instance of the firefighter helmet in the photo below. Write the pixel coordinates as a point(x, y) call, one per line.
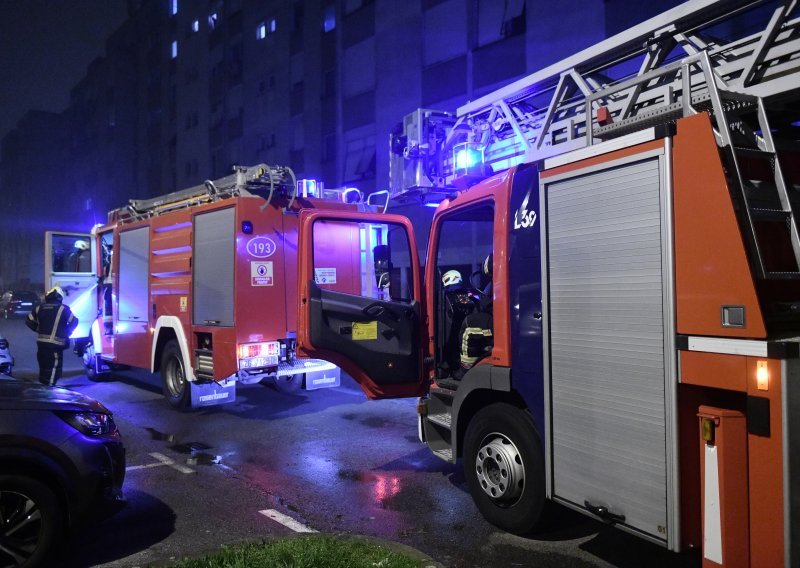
point(451, 278)
point(53, 292)
point(81, 244)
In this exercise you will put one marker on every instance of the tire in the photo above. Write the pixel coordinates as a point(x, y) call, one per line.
point(31, 521)
point(289, 383)
point(90, 364)
point(504, 467)
point(173, 376)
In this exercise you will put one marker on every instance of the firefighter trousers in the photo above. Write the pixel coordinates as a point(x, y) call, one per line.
point(51, 363)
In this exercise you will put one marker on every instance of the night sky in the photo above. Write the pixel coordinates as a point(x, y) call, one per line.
point(45, 47)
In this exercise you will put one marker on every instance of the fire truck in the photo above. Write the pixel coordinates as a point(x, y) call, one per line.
point(628, 219)
point(200, 284)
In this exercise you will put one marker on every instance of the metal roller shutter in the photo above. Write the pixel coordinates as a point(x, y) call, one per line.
point(134, 248)
point(606, 310)
point(213, 263)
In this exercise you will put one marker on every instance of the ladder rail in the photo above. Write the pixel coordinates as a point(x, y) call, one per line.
point(763, 55)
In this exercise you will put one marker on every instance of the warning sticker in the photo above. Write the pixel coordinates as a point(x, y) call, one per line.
point(261, 273)
point(365, 331)
point(184, 303)
point(325, 275)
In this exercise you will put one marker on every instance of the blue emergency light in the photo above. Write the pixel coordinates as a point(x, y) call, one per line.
point(307, 188)
point(466, 156)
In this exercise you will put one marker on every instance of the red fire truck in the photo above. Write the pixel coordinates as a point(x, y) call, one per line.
point(637, 237)
point(200, 284)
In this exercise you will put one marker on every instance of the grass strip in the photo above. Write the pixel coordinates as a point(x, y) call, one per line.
point(314, 551)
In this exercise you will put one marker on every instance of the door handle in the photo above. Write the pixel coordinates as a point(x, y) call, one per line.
point(603, 512)
point(374, 310)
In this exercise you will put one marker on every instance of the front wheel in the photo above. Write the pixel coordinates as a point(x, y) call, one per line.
point(504, 467)
point(173, 376)
point(31, 521)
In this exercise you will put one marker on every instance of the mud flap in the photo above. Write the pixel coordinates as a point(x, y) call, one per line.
point(212, 393)
point(323, 379)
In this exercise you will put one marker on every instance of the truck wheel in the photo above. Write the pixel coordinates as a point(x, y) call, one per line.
point(173, 375)
point(504, 467)
point(31, 521)
point(90, 364)
point(289, 383)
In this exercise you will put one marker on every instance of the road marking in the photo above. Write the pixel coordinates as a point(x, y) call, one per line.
point(162, 460)
point(286, 521)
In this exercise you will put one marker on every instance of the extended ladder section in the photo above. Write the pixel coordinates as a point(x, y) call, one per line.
point(263, 180)
point(724, 57)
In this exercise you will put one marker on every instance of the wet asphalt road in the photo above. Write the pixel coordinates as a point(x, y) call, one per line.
point(329, 459)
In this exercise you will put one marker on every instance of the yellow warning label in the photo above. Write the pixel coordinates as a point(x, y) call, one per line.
point(364, 331)
point(184, 303)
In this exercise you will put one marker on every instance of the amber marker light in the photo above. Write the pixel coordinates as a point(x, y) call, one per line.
point(707, 426)
point(762, 376)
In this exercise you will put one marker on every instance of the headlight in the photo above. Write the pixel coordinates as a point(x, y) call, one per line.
point(90, 423)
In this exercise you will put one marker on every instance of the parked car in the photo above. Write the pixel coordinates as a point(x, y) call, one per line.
point(6, 360)
point(18, 303)
point(62, 463)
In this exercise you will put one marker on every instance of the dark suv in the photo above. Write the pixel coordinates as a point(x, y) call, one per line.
point(62, 462)
point(18, 303)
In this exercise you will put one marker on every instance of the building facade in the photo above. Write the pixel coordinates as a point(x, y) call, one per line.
point(187, 89)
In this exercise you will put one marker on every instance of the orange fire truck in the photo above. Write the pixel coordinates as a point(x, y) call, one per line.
point(200, 284)
point(628, 220)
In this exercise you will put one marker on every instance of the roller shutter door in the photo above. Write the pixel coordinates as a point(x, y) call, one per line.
point(606, 311)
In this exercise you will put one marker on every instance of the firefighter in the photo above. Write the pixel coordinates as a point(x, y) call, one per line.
point(459, 301)
point(476, 330)
point(78, 258)
point(53, 322)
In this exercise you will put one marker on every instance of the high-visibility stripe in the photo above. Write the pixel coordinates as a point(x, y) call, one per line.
point(57, 321)
point(53, 370)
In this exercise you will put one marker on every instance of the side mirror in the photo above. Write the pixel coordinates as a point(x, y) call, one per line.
point(382, 265)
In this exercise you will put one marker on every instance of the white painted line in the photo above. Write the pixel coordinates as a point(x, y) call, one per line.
point(171, 463)
point(148, 466)
point(286, 521)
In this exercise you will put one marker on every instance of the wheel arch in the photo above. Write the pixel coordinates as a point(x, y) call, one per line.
point(482, 386)
point(26, 463)
point(168, 328)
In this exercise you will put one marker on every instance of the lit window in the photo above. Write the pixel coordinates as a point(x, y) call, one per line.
point(173, 7)
point(329, 18)
point(196, 26)
point(174, 49)
point(212, 21)
point(265, 28)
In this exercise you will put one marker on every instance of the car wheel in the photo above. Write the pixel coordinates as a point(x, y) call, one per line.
point(289, 383)
point(504, 467)
point(31, 521)
point(173, 376)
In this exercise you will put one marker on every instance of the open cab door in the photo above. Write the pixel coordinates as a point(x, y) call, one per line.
point(360, 299)
point(70, 262)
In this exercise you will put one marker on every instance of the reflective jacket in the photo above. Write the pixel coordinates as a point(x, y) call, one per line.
point(54, 323)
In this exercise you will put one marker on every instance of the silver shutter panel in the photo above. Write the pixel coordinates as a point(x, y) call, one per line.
point(134, 248)
point(213, 264)
point(607, 343)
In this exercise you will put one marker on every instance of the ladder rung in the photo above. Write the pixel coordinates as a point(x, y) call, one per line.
point(783, 276)
point(754, 153)
point(770, 214)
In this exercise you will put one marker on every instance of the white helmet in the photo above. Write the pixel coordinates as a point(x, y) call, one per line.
point(451, 277)
point(83, 245)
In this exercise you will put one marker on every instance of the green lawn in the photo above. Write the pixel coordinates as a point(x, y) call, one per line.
point(317, 551)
